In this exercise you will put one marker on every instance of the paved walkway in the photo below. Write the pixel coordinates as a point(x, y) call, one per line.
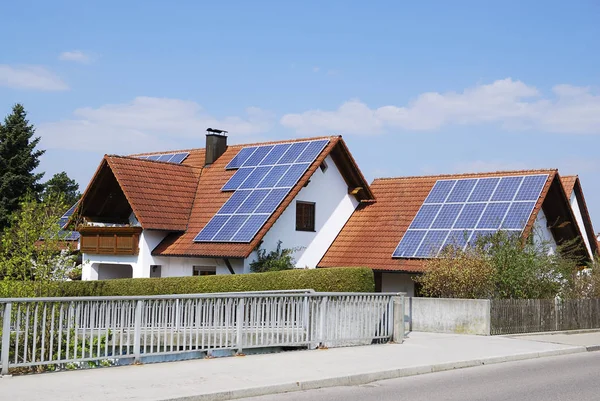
point(236, 377)
point(589, 339)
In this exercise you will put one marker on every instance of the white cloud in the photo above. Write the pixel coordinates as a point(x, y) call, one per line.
point(30, 77)
point(77, 56)
point(512, 104)
point(146, 123)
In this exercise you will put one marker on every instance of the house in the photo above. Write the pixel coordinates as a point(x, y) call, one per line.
point(413, 218)
point(206, 211)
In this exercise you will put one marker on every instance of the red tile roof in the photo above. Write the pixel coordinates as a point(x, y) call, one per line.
point(372, 233)
point(183, 198)
point(568, 182)
point(210, 198)
point(160, 194)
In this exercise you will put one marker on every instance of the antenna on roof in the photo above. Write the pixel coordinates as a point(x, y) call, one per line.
point(216, 131)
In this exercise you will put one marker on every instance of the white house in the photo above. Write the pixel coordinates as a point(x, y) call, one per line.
point(205, 211)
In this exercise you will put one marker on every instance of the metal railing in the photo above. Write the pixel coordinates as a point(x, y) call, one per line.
point(121, 330)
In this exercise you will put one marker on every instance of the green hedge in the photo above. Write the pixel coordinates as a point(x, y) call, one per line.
point(321, 280)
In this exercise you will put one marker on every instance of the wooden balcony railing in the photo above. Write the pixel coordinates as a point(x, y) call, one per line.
point(109, 240)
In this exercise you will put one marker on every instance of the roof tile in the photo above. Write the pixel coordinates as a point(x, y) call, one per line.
point(374, 230)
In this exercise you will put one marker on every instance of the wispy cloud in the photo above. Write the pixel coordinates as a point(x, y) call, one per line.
point(145, 123)
point(77, 56)
point(30, 77)
point(511, 104)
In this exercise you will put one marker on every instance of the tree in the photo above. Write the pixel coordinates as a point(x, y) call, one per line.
point(18, 160)
point(279, 259)
point(61, 185)
point(31, 247)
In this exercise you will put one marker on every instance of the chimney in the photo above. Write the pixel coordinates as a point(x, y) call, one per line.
point(216, 145)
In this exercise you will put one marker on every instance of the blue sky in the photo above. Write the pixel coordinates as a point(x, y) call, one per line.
point(414, 87)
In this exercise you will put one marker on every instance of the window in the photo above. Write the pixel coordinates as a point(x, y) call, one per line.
point(305, 216)
point(323, 166)
point(155, 270)
point(204, 271)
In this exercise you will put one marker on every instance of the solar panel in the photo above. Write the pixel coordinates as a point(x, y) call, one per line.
point(256, 157)
point(175, 158)
point(275, 154)
point(240, 158)
point(178, 158)
point(265, 175)
point(458, 212)
point(68, 235)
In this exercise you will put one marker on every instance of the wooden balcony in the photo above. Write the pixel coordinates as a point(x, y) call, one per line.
point(109, 240)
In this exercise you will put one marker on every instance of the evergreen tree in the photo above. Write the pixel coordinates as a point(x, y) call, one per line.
point(61, 185)
point(18, 160)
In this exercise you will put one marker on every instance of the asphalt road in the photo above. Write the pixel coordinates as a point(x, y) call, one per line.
point(563, 378)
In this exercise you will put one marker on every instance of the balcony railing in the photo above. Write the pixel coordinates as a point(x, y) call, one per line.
point(109, 240)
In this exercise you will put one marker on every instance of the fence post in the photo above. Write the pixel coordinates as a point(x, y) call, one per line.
point(399, 329)
point(322, 322)
point(6, 338)
point(556, 317)
point(137, 331)
point(240, 316)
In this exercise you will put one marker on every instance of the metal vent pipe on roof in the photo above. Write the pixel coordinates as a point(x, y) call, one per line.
point(216, 145)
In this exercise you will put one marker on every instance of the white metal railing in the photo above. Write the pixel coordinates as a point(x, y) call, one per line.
point(59, 331)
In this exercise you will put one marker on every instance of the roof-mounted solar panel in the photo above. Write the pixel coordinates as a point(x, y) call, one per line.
point(175, 158)
point(458, 212)
point(265, 175)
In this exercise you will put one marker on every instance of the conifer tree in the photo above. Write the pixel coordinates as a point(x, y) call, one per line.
point(18, 160)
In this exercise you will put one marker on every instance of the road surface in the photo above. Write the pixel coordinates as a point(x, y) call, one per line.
point(562, 378)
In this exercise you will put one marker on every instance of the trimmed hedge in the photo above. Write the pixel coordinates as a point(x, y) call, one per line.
point(320, 280)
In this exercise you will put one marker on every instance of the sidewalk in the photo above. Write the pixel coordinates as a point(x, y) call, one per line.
point(585, 338)
point(236, 377)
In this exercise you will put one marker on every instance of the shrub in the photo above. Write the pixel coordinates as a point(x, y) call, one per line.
point(458, 274)
point(321, 280)
point(279, 259)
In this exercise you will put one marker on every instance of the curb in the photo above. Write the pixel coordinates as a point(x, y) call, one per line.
point(364, 378)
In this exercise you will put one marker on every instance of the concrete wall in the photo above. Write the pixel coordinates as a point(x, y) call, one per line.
point(444, 315)
point(140, 263)
point(398, 282)
point(333, 207)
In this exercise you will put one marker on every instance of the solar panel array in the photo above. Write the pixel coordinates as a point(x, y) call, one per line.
point(265, 175)
point(458, 212)
point(176, 158)
point(64, 220)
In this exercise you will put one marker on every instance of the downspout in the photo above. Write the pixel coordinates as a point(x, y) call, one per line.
point(226, 260)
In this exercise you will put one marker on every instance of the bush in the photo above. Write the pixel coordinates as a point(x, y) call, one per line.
point(321, 280)
point(458, 274)
point(277, 260)
point(504, 266)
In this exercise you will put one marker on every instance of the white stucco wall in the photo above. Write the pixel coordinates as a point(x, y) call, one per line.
point(333, 207)
point(140, 263)
point(579, 219)
point(397, 282)
point(541, 233)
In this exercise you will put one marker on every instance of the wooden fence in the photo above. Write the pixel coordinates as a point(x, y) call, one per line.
point(512, 316)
